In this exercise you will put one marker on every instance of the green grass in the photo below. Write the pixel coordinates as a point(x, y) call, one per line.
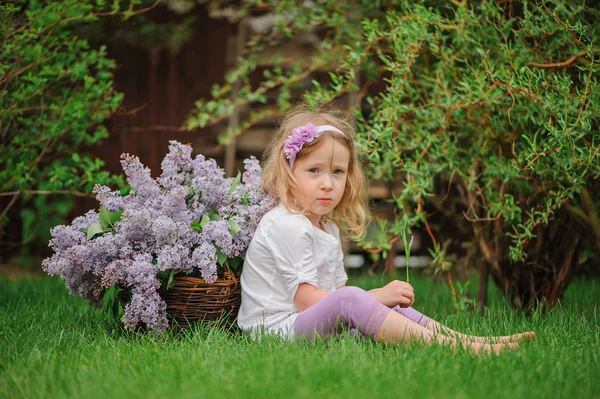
point(54, 346)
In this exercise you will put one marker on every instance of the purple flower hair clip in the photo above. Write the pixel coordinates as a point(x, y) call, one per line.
point(302, 135)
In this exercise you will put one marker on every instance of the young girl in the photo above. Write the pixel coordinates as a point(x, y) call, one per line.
point(293, 279)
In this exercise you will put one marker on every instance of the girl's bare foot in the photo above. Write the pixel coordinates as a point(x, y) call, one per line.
point(493, 349)
point(526, 336)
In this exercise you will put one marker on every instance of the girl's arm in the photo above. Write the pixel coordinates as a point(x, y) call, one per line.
point(395, 293)
point(307, 295)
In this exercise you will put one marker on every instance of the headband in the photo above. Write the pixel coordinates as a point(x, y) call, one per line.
point(304, 134)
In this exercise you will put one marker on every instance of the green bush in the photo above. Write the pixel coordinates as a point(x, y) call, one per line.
point(486, 113)
point(55, 93)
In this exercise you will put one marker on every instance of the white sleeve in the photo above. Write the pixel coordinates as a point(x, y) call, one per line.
point(290, 239)
point(340, 272)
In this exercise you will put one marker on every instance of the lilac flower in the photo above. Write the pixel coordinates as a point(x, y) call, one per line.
point(176, 165)
point(141, 274)
point(165, 230)
point(111, 200)
point(135, 224)
point(174, 206)
point(139, 178)
point(64, 237)
point(146, 308)
point(218, 232)
point(251, 190)
point(83, 222)
point(174, 257)
point(300, 135)
point(155, 231)
point(209, 182)
point(96, 254)
point(253, 175)
point(205, 259)
point(79, 281)
point(116, 273)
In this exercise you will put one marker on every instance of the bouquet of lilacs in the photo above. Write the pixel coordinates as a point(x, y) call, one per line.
point(191, 220)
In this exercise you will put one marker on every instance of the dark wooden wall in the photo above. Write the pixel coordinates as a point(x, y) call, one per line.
point(160, 89)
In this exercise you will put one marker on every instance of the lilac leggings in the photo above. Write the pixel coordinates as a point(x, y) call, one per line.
point(351, 307)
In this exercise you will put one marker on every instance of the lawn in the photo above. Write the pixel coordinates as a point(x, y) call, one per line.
point(55, 346)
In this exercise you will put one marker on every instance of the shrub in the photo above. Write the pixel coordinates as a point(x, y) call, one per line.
point(486, 112)
point(55, 93)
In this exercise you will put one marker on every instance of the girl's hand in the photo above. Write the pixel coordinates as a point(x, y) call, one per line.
point(395, 293)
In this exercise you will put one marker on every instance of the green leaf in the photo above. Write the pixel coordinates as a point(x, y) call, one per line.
point(170, 282)
point(213, 214)
point(236, 182)
point(205, 220)
point(235, 264)
point(116, 217)
point(234, 228)
point(93, 229)
point(221, 257)
point(108, 218)
point(112, 306)
point(163, 275)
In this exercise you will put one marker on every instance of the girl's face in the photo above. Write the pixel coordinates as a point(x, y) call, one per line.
point(322, 177)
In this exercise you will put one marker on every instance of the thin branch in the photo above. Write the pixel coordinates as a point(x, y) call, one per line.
point(111, 13)
point(265, 89)
point(15, 195)
point(538, 156)
point(479, 219)
point(122, 112)
point(559, 64)
point(159, 128)
point(564, 26)
point(378, 250)
point(47, 192)
point(587, 90)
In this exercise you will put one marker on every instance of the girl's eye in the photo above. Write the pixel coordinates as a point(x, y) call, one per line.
point(338, 172)
point(313, 170)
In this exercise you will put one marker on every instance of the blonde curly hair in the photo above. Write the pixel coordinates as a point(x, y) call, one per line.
point(279, 180)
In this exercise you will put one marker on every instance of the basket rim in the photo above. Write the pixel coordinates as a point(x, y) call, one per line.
point(229, 279)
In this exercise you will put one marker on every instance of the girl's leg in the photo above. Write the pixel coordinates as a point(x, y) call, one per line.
point(414, 315)
point(433, 325)
point(397, 327)
point(356, 308)
point(348, 306)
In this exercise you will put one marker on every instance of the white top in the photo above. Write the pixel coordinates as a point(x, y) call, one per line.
point(286, 250)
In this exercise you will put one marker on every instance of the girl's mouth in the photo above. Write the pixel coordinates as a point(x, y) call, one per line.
point(324, 200)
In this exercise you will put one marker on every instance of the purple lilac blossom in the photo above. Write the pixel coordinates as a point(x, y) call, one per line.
point(250, 191)
point(116, 273)
point(83, 222)
point(147, 309)
point(64, 237)
point(176, 165)
point(165, 230)
point(174, 206)
point(143, 187)
point(209, 183)
point(135, 224)
point(78, 281)
point(141, 273)
point(156, 228)
point(205, 259)
point(111, 200)
point(218, 232)
point(174, 257)
point(300, 135)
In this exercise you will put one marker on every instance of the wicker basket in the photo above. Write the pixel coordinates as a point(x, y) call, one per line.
point(192, 300)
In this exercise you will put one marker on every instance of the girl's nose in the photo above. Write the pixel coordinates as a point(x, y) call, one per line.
point(327, 183)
